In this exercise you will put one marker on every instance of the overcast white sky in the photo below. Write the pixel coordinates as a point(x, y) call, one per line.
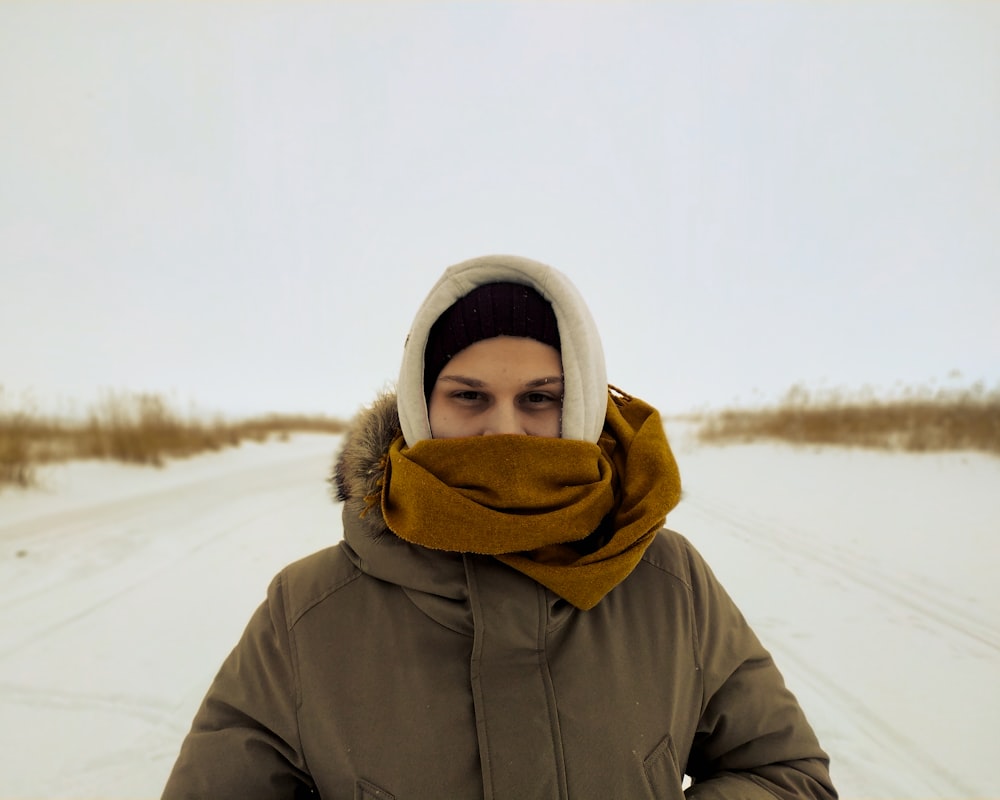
point(241, 205)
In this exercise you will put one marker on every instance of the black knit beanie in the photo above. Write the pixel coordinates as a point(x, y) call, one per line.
point(493, 309)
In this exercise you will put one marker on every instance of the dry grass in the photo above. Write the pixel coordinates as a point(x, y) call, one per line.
point(134, 428)
point(16, 465)
point(919, 419)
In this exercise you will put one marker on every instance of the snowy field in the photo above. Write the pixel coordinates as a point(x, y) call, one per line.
point(871, 576)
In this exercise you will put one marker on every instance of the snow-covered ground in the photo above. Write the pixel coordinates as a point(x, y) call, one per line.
point(871, 576)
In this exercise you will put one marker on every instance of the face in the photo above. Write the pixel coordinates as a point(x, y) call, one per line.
point(507, 384)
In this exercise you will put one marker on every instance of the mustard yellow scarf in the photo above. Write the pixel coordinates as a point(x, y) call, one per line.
point(524, 499)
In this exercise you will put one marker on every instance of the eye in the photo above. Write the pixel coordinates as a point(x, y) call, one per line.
point(467, 396)
point(541, 398)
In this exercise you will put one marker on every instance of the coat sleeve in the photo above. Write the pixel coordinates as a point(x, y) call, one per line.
point(753, 740)
point(244, 740)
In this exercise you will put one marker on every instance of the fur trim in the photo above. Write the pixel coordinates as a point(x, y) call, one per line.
point(360, 465)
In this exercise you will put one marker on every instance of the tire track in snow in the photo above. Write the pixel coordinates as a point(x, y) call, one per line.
point(147, 709)
point(933, 606)
point(923, 770)
point(188, 499)
point(885, 742)
point(134, 580)
point(100, 669)
point(89, 557)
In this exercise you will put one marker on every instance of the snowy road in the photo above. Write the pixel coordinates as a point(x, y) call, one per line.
point(870, 576)
point(132, 586)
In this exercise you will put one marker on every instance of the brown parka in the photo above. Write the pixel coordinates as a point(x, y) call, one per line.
point(380, 669)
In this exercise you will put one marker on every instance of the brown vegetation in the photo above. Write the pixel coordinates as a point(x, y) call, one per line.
point(134, 428)
point(143, 429)
point(918, 419)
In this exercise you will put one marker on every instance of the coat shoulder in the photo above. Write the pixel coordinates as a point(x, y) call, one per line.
point(306, 583)
point(672, 554)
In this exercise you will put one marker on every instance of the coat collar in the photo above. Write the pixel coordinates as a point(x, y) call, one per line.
point(434, 580)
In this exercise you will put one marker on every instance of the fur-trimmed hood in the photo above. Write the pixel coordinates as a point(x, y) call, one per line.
point(434, 580)
point(360, 464)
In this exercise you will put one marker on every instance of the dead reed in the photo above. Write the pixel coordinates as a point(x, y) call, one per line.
point(16, 465)
point(919, 419)
point(133, 428)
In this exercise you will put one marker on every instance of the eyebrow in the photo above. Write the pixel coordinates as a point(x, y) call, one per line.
point(475, 383)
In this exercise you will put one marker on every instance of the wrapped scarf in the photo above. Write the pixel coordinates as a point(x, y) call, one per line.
point(526, 500)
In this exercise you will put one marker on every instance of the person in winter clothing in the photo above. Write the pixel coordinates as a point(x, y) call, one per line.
point(506, 616)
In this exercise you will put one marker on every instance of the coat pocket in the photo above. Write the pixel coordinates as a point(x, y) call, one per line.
point(662, 773)
point(363, 790)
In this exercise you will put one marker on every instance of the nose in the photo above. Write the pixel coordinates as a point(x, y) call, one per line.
point(504, 418)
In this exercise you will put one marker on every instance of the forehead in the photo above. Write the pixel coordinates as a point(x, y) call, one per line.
point(506, 355)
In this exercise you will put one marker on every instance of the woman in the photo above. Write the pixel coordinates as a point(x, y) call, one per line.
point(506, 616)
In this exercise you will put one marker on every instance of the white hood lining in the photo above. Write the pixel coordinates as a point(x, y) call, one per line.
point(584, 372)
